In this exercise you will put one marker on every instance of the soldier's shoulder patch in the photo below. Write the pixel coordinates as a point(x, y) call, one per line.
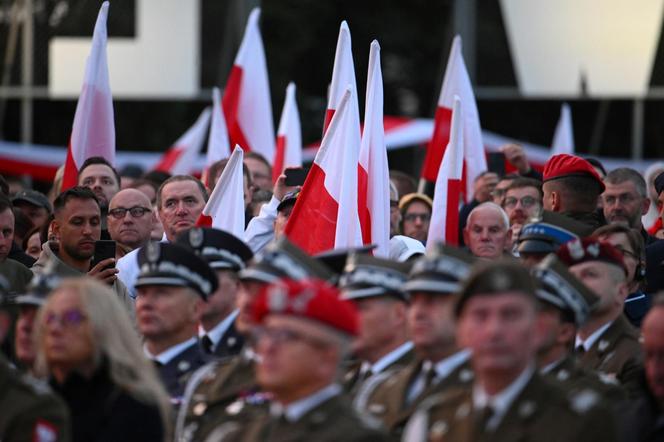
point(44, 431)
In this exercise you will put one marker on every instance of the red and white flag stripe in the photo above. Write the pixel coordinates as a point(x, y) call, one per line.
point(93, 131)
point(373, 173)
point(288, 152)
point(180, 158)
point(325, 214)
point(247, 103)
point(456, 82)
point(343, 74)
point(563, 138)
point(225, 207)
point(444, 226)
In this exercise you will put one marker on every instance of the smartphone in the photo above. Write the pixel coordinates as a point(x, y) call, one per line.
point(496, 162)
point(296, 177)
point(104, 249)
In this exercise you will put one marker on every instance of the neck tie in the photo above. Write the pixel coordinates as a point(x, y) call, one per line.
point(482, 418)
point(157, 364)
point(580, 350)
point(206, 343)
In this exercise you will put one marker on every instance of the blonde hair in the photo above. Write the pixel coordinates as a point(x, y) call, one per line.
point(114, 339)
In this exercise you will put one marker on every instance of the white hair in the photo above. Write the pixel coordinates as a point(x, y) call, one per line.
point(494, 206)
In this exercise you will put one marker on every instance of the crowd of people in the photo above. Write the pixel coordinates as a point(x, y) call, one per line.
point(543, 324)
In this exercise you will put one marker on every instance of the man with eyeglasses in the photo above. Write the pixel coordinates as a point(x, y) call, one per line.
point(130, 220)
point(523, 201)
point(415, 215)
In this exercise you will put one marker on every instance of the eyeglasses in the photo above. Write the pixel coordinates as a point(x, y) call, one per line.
point(412, 217)
point(69, 319)
point(280, 336)
point(526, 201)
point(136, 212)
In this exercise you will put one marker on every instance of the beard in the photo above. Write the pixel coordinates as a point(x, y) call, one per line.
point(75, 253)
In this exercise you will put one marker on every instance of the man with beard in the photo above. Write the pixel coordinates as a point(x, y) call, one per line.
point(180, 201)
point(98, 175)
point(522, 203)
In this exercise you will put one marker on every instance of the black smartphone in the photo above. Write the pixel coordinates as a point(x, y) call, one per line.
point(496, 162)
point(104, 249)
point(296, 177)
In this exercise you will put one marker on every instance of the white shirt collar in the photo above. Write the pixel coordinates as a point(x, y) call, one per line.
point(588, 343)
point(446, 366)
point(391, 357)
point(297, 409)
point(552, 366)
point(166, 356)
point(501, 402)
point(218, 330)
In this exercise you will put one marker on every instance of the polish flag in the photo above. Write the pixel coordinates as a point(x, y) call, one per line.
point(179, 159)
point(444, 226)
point(247, 104)
point(343, 74)
point(325, 213)
point(563, 138)
point(218, 144)
point(456, 82)
point(373, 173)
point(93, 132)
point(225, 207)
point(289, 136)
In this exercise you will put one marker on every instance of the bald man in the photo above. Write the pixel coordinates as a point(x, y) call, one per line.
point(130, 220)
point(487, 233)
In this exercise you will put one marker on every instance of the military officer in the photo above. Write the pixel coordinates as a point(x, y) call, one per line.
point(607, 342)
point(172, 286)
point(374, 286)
point(227, 255)
point(393, 396)
point(215, 390)
point(304, 333)
point(508, 400)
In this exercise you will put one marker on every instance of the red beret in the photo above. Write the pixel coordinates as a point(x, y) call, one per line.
point(577, 251)
point(311, 299)
point(564, 165)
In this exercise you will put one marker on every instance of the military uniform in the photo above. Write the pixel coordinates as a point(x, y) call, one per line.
point(573, 377)
point(385, 397)
point(540, 412)
point(359, 372)
point(30, 411)
point(230, 343)
point(617, 353)
point(175, 373)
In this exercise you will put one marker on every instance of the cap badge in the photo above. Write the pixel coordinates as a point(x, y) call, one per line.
point(593, 249)
point(152, 252)
point(196, 237)
point(299, 304)
point(277, 299)
point(576, 249)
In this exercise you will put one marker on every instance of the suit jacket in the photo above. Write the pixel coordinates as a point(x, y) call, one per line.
point(384, 397)
point(542, 412)
point(230, 344)
point(352, 381)
point(617, 353)
point(176, 372)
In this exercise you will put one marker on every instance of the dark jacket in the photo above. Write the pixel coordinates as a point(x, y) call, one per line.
point(102, 411)
point(19, 255)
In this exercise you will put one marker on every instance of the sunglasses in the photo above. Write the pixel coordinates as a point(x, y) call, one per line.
point(68, 319)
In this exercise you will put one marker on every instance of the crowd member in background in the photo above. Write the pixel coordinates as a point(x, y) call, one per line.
point(649, 219)
point(4, 187)
point(392, 396)
point(54, 191)
point(77, 225)
point(497, 320)
point(483, 187)
point(130, 221)
point(149, 188)
point(35, 205)
point(405, 183)
point(498, 192)
point(607, 342)
point(629, 243)
point(172, 287)
point(32, 243)
point(180, 201)
point(214, 172)
point(304, 335)
point(536, 240)
point(129, 174)
point(488, 233)
point(395, 214)
point(88, 348)
point(522, 203)
point(30, 410)
point(13, 271)
point(261, 171)
point(226, 255)
point(22, 225)
point(415, 211)
point(403, 248)
point(98, 175)
point(259, 199)
point(625, 200)
point(516, 156)
point(373, 285)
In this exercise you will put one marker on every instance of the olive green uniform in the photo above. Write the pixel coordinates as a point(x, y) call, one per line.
point(573, 377)
point(353, 379)
point(30, 411)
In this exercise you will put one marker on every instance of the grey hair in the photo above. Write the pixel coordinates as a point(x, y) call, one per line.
point(622, 174)
point(494, 206)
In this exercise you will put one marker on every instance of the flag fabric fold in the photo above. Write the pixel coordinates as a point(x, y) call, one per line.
point(373, 171)
point(225, 207)
point(180, 159)
point(93, 131)
point(247, 104)
point(288, 151)
point(563, 138)
point(325, 213)
point(444, 226)
point(343, 74)
point(456, 82)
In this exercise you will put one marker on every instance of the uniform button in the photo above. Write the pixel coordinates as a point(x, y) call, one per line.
point(200, 408)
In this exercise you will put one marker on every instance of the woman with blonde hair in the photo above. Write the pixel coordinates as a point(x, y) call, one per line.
point(93, 357)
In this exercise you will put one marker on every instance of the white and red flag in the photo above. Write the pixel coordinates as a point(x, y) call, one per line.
point(247, 103)
point(225, 207)
point(325, 213)
point(343, 74)
point(218, 144)
point(181, 157)
point(563, 138)
point(289, 136)
point(93, 132)
point(444, 226)
point(456, 82)
point(373, 173)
